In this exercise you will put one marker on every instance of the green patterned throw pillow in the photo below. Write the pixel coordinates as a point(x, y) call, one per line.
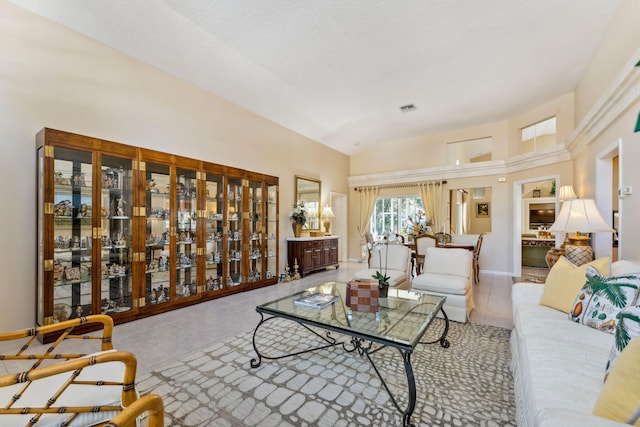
point(601, 298)
point(628, 328)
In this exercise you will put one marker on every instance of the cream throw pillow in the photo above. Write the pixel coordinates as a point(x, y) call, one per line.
point(565, 281)
point(620, 395)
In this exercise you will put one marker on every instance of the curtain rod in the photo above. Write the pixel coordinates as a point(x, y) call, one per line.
point(400, 185)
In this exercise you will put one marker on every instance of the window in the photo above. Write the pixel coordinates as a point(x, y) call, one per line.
point(539, 135)
point(470, 151)
point(392, 214)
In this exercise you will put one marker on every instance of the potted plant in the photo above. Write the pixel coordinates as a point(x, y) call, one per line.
point(298, 217)
point(382, 278)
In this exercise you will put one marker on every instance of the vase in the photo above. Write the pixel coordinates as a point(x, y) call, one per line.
point(297, 229)
point(383, 291)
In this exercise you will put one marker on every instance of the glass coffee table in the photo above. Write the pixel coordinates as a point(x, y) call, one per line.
point(402, 320)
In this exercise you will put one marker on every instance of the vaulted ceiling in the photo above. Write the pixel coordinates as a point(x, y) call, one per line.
point(338, 71)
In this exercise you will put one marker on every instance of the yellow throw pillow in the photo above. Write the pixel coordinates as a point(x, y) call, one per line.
point(565, 281)
point(620, 396)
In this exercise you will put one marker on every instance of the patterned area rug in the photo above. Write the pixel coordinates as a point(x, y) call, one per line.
point(467, 384)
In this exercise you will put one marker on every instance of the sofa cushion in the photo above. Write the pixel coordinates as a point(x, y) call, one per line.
point(620, 395)
point(533, 320)
point(557, 375)
point(624, 266)
point(627, 329)
point(443, 283)
point(600, 300)
point(565, 280)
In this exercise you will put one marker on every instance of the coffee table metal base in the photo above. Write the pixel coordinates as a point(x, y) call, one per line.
point(363, 347)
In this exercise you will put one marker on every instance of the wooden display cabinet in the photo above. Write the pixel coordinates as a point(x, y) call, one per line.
point(133, 232)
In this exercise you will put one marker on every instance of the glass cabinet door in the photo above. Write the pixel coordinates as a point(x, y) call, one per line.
point(186, 233)
point(214, 226)
point(255, 230)
point(271, 232)
point(158, 234)
point(234, 232)
point(72, 234)
point(116, 249)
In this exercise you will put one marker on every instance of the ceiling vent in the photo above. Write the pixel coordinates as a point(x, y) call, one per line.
point(407, 108)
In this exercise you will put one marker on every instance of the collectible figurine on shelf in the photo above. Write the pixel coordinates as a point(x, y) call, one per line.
point(78, 180)
point(84, 211)
point(151, 186)
point(152, 296)
point(120, 207)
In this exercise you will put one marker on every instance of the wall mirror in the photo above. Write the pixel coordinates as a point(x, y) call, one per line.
point(309, 190)
point(470, 210)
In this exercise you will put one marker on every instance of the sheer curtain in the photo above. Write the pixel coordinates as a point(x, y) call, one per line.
point(367, 200)
point(431, 193)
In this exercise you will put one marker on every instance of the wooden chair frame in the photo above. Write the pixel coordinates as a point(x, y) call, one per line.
point(151, 404)
point(65, 362)
point(420, 256)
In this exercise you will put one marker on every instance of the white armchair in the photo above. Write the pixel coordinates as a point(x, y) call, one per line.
point(395, 260)
point(448, 272)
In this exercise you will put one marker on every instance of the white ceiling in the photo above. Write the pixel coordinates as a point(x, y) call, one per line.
point(337, 71)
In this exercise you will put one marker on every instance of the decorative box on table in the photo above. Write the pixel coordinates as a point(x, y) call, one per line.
point(362, 295)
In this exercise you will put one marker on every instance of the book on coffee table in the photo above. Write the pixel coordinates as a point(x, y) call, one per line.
point(317, 300)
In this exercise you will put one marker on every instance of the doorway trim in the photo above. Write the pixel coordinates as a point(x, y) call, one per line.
point(603, 242)
point(517, 219)
point(338, 203)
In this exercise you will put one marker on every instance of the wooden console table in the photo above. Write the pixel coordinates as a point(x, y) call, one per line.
point(312, 253)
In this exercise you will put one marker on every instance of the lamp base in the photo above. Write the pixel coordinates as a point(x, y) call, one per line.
point(553, 255)
point(578, 254)
point(578, 240)
point(327, 226)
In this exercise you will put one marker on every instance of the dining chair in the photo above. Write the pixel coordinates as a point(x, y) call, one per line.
point(442, 238)
point(476, 260)
point(422, 242)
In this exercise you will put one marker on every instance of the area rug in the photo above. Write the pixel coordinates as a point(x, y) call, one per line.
point(467, 384)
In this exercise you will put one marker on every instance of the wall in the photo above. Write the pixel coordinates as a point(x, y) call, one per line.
point(619, 48)
point(53, 77)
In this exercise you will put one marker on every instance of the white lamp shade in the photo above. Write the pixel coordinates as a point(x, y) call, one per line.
point(327, 212)
point(580, 215)
point(566, 193)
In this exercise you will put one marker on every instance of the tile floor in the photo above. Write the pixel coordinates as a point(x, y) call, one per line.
point(158, 340)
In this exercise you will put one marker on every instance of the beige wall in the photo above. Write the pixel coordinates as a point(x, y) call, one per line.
point(53, 77)
point(617, 47)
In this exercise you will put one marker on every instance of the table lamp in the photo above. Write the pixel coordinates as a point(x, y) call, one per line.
point(579, 216)
point(566, 193)
point(327, 214)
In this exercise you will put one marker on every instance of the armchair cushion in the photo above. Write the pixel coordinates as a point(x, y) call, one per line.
point(442, 283)
point(396, 277)
point(394, 257)
point(455, 262)
point(109, 369)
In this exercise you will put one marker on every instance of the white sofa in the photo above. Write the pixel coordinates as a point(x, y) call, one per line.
point(396, 263)
point(558, 365)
